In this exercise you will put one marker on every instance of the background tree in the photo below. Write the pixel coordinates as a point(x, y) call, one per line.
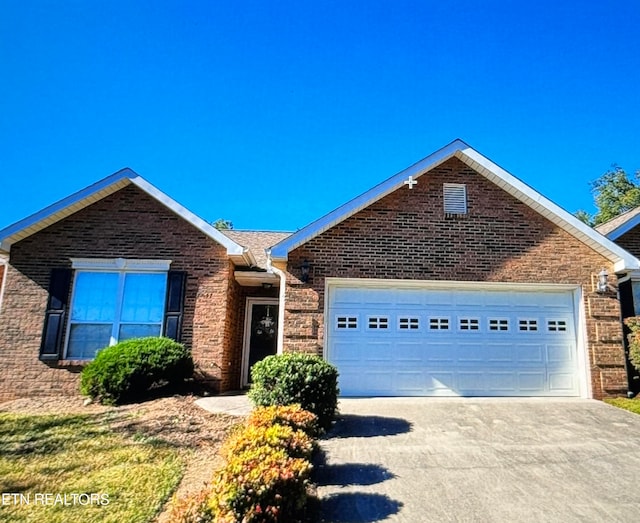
point(614, 193)
point(222, 225)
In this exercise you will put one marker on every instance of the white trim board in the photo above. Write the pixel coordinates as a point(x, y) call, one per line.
point(621, 259)
point(100, 190)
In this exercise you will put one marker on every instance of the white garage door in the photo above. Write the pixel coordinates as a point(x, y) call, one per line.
point(473, 341)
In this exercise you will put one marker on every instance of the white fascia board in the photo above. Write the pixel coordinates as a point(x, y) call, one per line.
point(622, 259)
point(99, 190)
point(623, 228)
point(281, 250)
point(233, 249)
point(63, 208)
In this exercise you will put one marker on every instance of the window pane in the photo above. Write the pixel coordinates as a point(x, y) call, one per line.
point(94, 296)
point(85, 339)
point(143, 299)
point(133, 330)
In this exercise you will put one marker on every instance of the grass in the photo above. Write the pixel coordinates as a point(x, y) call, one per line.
point(42, 456)
point(632, 405)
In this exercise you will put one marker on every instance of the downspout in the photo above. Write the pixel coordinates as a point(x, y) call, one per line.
point(281, 295)
point(4, 263)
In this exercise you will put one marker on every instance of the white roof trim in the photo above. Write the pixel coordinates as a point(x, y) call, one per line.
point(101, 189)
point(623, 227)
point(120, 264)
point(621, 259)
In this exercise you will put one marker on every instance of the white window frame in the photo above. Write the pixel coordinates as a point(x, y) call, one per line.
point(499, 324)
point(378, 322)
point(120, 266)
point(471, 321)
point(413, 323)
point(351, 322)
point(440, 321)
point(530, 322)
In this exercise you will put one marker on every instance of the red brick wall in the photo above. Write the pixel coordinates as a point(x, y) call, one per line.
point(630, 241)
point(127, 224)
point(405, 235)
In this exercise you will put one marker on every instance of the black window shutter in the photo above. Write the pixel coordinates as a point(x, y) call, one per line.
point(52, 335)
point(176, 283)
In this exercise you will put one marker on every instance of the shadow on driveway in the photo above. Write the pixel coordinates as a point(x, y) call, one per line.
point(354, 426)
point(350, 474)
point(358, 507)
point(350, 505)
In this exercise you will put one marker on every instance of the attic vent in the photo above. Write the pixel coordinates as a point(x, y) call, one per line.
point(455, 198)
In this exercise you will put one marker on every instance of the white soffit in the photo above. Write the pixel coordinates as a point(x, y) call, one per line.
point(621, 258)
point(101, 189)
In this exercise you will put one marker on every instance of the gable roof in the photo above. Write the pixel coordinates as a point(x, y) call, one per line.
point(103, 188)
point(617, 226)
point(621, 259)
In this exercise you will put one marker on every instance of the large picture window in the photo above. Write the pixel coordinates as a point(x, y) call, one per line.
point(114, 305)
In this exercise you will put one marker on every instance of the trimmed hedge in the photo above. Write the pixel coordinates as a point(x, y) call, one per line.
point(289, 415)
point(267, 469)
point(130, 368)
point(302, 379)
point(265, 477)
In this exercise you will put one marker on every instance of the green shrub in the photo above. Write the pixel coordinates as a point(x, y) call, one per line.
point(293, 416)
point(260, 485)
point(634, 340)
point(301, 379)
point(128, 369)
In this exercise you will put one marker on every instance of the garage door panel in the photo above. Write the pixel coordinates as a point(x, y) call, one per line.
point(376, 353)
point(378, 382)
point(439, 352)
point(440, 382)
point(560, 354)
point(505, 382)
point(409, 353)
point(418, 341)
point(470, 353)
point(409, 382)
point(533, 382)
point(561, 381)
point(499, 353)
point(470, 382)
point(530, 353)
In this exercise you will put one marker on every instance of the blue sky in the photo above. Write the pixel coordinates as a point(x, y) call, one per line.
point(272, 113)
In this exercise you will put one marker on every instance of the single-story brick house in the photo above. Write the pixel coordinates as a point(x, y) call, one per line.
point(452, 277)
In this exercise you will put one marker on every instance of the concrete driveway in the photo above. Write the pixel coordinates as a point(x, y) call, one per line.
point(424, 459)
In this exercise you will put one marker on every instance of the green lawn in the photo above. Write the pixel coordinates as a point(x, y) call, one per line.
point(106, 476)
point(632, 405)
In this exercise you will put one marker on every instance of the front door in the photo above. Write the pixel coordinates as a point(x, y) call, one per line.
point(260, 333)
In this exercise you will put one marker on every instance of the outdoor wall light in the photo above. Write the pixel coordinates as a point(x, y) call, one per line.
point(304, 271)
point(603, 281)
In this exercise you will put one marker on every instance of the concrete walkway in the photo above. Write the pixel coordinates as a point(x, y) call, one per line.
point(481, 460)
point(234, 403)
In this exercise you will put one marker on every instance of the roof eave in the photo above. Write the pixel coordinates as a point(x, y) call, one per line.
point(101, 189)
point(517, 188)
point(281, 250)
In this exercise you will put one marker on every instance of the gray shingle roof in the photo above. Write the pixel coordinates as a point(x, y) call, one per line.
point(257, 242)
point(606, 227)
